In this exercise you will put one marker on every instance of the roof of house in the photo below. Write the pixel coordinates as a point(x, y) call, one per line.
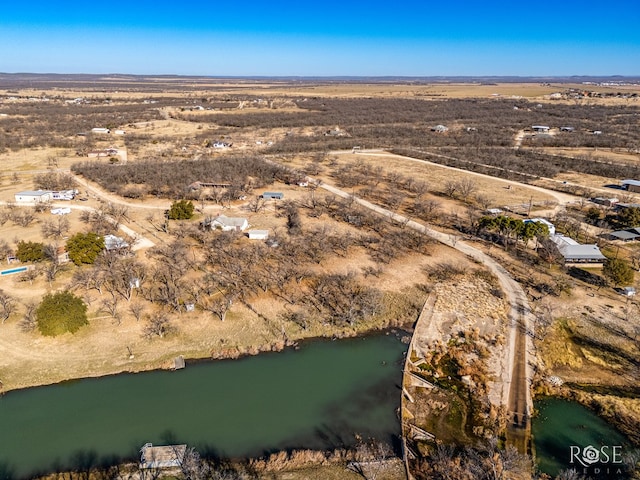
point(111, 242)
point(539, 220)
point(572, 250)
point(631, 182)
point(34, 193)
point(229, 221)
point(625, 235)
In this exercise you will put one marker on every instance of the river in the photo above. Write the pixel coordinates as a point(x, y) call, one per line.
point(567, 435)
point(317, 397)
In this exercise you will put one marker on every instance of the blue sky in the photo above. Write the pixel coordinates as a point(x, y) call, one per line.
point(325, 38)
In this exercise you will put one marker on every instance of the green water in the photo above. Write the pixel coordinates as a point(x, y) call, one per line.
point(316, 397)
point(561, 425)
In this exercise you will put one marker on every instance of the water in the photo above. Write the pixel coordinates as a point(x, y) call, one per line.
point(315, 397)
point(563, 427)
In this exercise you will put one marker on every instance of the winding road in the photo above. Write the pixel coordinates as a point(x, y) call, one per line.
point(511, 387)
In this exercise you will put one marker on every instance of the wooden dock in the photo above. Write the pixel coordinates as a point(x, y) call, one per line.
point(178, 363)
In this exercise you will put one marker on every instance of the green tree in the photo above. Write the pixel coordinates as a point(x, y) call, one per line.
point(593, 215)
point(30, 251)
point(618, 271)
point(84, 248)
point(60, 313)
point(181, 210)
point(629, 217)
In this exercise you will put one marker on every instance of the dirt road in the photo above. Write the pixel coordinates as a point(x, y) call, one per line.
point(512, 386)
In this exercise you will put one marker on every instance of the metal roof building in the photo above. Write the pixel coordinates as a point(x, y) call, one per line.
point(574, 252)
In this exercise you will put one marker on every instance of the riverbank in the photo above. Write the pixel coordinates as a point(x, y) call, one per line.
point(622, 413)
point(340, 464)
point(323, 396)
point(106, 348)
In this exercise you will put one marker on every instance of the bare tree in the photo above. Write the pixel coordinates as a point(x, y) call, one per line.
point(257, 204)
point(218, 305)
point(466, 187)
point(28, 322)
point(370, 458)
point(25, 217)
point(7, 305)
point(450, 188)
point(55, 228)
point(137, 309)
point(110, 305)
point(159, 325)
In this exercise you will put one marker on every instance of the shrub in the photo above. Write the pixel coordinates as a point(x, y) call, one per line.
point(84, 248)
point(181, 210)
point(30, 251)
point(60, 313)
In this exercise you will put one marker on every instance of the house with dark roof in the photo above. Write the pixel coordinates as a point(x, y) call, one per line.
point(627, 235)
point(631, 185)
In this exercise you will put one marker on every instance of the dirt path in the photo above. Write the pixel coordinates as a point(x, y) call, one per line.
point(512, 385)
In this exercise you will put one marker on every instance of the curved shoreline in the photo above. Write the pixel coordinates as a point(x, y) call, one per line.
point(232, 353)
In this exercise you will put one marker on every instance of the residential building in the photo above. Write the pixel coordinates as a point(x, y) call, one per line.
point(576, 253)
point(631, 185)
point(273, 195)
point(34, 196)
point(550, 226)
point(226, 224)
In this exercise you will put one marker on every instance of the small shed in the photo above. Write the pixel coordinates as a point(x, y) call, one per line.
point(628, 291)
point(273, 195)
point(258, 234)
point(440, 129)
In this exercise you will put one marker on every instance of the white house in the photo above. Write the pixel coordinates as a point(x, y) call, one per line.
point(258, 234)
point(34, 196)
point(226, 224)
point(64, 195)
